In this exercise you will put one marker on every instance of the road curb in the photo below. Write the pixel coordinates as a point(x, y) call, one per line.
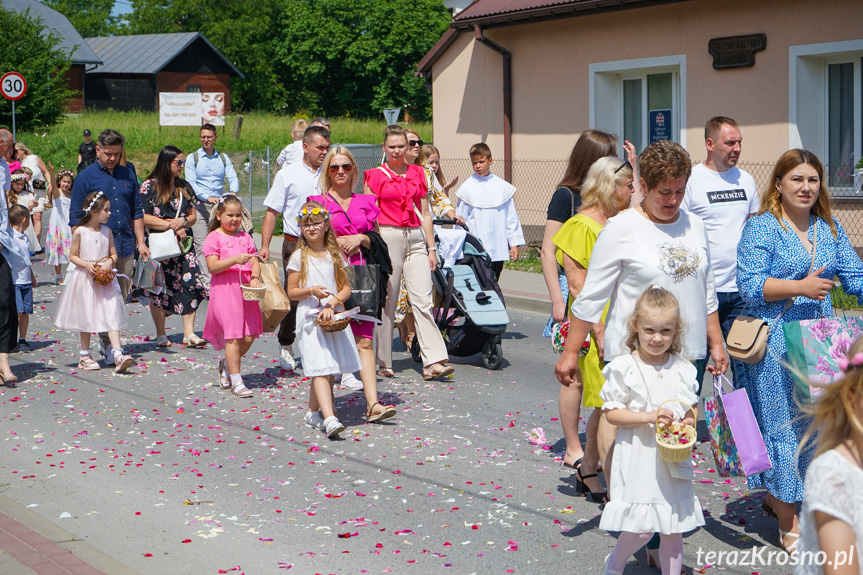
point(526, 302)
point(63, 538)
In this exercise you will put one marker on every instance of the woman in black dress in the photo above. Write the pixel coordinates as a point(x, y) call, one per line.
point(170, 204)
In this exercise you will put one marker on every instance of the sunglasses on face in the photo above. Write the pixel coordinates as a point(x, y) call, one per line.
point(334, 168)
point(179, 163)
point(625, 164)
point(413, 143)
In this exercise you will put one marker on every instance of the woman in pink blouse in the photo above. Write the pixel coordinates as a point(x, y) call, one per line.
point(352, 217)
point(406, 227)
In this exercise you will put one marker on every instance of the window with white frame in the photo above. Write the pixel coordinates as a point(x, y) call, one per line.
point(642, 99)
point(826, 109)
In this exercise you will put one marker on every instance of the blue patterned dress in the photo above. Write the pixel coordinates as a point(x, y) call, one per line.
point(766, 250)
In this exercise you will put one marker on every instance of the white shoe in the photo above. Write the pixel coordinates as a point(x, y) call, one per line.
point(332, 426)
point(107, 352)
point(349, 381)
point(315, 420)
point(286, 358)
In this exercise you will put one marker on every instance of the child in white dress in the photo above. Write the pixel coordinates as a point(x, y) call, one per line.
point(86, 306)
point(647, 494)
point(58, 240)
point(831, 523)
point(318, 280)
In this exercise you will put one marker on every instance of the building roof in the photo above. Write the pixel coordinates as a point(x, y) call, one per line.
point(496, 13)
point(489, 13)
point(70, 39)
point(145, 53)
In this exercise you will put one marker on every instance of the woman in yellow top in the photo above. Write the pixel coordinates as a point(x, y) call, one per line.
point(607, 189)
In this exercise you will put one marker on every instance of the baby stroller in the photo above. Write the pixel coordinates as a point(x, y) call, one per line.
point(471, 312)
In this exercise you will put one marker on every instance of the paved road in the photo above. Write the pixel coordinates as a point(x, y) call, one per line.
point(450, 483)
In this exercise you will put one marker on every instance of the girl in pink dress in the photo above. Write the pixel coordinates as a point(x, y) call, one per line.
point(233, 323)
point(85, 305)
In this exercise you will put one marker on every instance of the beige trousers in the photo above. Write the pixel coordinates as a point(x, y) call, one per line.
point(407, 249)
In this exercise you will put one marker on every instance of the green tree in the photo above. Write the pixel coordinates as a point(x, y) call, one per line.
point(91, 18)
point(241, 30)
point(356, 57)
point(35, 53)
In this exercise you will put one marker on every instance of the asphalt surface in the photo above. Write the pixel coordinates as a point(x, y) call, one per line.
point(451, 484)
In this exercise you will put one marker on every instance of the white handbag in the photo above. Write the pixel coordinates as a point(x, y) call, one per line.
point(163, 245)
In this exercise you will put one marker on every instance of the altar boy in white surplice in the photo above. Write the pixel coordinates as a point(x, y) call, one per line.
point(487, 206)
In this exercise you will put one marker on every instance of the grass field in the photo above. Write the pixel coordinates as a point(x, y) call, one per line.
point(59, 144)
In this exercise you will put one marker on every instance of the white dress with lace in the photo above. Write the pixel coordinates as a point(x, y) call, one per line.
point(649, 495)
point(832, 486)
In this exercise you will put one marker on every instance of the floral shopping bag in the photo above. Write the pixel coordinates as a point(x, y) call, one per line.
point(735, 438)
point(814, 348)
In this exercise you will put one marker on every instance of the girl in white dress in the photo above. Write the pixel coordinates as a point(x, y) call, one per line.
point(58, 240)
point(647, 494)
point(831, 525)
point(318, 280)
point(86, 306)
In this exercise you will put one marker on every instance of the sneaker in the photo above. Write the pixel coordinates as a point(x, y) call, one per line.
point(315, 420)
point(349, 381)
point(107, 352)
point(286, 358)
point(23, 346)
point(332, 426)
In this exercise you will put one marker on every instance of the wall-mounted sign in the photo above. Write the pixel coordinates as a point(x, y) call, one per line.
point(191, 108)
point(659, 127)
point(736, 51)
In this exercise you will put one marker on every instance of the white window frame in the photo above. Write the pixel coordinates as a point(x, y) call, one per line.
point(807, 97)
point(606, 92)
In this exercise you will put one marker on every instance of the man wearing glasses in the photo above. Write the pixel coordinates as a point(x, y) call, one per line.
point(724, 196)
point(292, 186)
point(206, 171)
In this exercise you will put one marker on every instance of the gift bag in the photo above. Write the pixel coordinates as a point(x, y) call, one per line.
point(735, 439)
point(275, 305)
point(364, 289)
point(814, 348)
point(148, 276)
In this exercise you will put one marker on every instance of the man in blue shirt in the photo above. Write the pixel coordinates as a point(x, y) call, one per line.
point(206, 171)
point(117, 182)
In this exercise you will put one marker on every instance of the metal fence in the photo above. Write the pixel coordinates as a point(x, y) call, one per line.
point(536, 180)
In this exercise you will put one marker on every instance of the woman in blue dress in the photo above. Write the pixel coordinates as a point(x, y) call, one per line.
point(781, 280)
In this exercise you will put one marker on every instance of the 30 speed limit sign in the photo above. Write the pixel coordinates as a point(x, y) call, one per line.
point(13, 85)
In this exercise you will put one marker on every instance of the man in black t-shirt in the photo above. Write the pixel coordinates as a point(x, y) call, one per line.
point(86, 151)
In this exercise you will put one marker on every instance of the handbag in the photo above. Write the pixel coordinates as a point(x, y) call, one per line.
point(747, 338)
point(163, 245)
point(148, 276)
point(275, 305)
point(735, 439)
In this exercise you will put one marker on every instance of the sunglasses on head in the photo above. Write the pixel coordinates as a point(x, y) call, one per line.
point(413, 143)
point(334, 168)
point(625, 164)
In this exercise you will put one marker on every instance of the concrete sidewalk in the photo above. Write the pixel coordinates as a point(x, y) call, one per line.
point(523, 290)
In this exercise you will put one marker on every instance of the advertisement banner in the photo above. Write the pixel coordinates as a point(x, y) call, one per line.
point(191, 108)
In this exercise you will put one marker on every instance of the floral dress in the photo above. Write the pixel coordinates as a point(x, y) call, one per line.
point(184, 289)
point(767, 250)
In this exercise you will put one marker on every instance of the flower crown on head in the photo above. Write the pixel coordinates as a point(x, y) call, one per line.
point(306, 211)
point(93, 202)
point(16, 177)
point(845, 364)
point(64, 173)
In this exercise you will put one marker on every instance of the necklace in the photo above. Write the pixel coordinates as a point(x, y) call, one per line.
point(656, 368)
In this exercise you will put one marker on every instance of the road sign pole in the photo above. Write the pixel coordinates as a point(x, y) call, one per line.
point(13, 122)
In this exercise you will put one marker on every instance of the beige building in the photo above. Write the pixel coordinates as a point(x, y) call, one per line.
point(527, 76)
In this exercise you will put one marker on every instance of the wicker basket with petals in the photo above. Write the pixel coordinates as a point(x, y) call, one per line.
point(335, 324)
point(675, 441)
point(103, 277)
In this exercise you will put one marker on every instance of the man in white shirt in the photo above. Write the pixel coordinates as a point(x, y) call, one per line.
point(724, 197)
point(206, 171)
point(292, 186)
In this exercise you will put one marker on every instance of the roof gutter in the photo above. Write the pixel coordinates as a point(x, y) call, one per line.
point(507, 99)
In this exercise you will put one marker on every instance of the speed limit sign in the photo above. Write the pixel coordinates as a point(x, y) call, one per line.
point(13, 86)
